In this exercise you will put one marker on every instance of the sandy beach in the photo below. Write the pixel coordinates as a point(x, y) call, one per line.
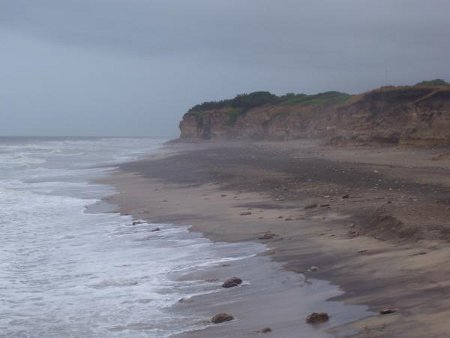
point(373, 221)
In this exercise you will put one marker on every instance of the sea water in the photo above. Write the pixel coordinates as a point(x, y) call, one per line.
point(68, 272)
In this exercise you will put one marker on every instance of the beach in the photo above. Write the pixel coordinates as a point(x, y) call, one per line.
point(372, 220)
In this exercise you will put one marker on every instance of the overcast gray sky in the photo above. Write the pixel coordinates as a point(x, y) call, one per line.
point(133, 67)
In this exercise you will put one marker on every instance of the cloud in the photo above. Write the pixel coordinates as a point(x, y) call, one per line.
point(180, 52)
point(240, 28)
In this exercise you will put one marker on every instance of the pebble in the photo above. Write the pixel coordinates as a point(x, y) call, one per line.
point(387, 311)
point(267, 235)
point(311, 206)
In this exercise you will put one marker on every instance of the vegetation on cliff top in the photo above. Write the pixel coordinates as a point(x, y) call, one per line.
point(239, 105)
point(436, 82)
point(244, 102)
point(314, 100)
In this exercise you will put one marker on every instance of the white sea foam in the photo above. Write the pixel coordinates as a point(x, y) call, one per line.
point(65, 272)
point(68, 273)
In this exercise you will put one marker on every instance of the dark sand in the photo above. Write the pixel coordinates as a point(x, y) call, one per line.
point(380, 229)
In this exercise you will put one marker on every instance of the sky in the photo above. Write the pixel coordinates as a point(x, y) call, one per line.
point(134, 67)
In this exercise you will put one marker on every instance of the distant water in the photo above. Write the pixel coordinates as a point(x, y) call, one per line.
point(68, 272)
point(65, 272)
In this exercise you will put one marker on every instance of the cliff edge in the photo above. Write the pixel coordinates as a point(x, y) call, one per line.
point(418, 114)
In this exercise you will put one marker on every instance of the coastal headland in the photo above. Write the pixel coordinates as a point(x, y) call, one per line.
point(412, 115)
point(370, 214)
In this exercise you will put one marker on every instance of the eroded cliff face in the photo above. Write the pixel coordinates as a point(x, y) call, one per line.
point(411, 115)
point(408, 115)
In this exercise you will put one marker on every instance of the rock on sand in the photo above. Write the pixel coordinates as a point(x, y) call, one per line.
point(232, 282)
point(311, 206)
point(221, 318)
point(267, 235)
point(317, 318)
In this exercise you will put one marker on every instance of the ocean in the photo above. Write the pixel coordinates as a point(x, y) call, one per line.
point(67, 271)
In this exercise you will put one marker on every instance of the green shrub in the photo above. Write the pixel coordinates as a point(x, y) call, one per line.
point(436, 82)
point(242, 101)
point(317, 99)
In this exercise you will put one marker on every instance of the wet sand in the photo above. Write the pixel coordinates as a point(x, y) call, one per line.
point(269, 297)
point(376, 221)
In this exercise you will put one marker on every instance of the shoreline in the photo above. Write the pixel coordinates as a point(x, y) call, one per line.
point(293, 296)
point(216, 184)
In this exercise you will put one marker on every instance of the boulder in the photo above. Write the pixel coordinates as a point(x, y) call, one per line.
point(221, 318)
point(232, 282)
point(266, 330)
point(317, 318)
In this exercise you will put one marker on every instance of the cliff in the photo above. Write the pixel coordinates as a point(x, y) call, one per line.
point(417, 114)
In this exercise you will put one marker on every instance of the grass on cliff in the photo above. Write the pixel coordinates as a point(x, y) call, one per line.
point(243, 102)
point(315, 100)
point(433, 83)
point(238, 106)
